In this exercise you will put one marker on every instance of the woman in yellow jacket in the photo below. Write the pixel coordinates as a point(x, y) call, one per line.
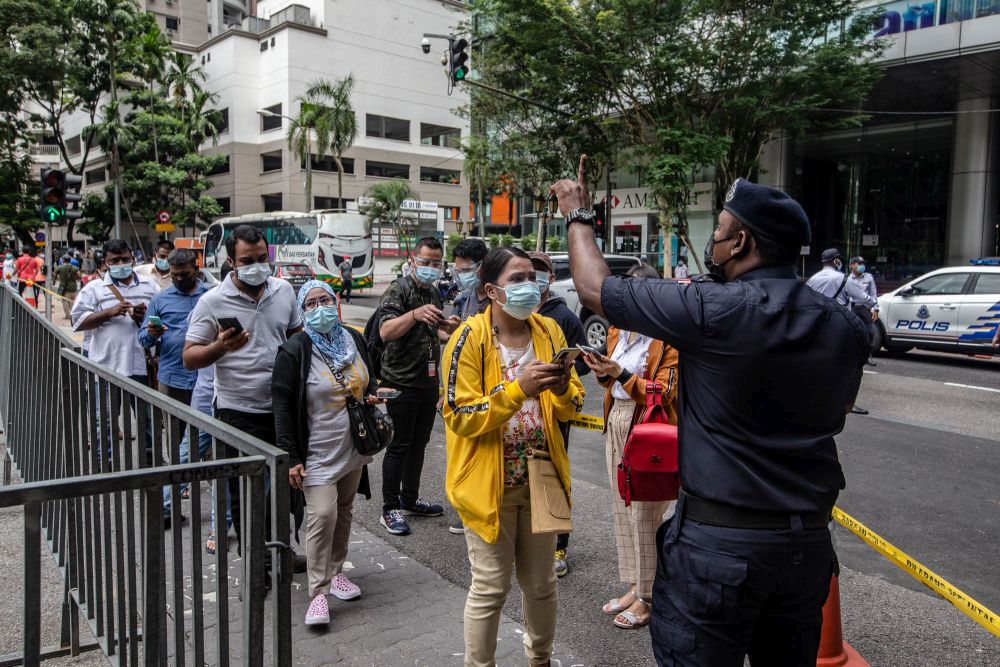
point(503, 399)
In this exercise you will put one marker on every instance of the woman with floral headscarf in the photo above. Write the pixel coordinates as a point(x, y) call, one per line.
point(313, 373)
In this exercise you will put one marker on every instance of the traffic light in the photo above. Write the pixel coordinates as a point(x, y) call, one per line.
point(54, 186)
point(601, 225)
point(457, 68)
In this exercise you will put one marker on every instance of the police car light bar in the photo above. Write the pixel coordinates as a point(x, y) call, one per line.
point(985, 261)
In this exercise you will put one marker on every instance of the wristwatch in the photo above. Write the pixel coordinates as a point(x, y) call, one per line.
point(582, 215)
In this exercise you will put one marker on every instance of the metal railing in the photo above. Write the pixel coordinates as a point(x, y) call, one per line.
point(94, 450)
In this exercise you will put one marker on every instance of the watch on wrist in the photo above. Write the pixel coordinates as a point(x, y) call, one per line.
point(582, 215)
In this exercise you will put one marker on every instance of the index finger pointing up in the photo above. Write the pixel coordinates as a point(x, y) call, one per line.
point(581, 172)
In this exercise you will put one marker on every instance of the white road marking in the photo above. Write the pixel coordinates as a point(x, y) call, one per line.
point(870, 372)
point(972, 386)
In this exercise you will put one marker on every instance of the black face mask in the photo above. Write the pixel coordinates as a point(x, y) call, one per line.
point(715, 270)
point(186, 284)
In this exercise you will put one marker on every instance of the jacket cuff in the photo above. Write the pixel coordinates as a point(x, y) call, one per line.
point(515, 392)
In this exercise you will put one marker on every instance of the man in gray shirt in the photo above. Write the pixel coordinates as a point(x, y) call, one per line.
point(267, 314)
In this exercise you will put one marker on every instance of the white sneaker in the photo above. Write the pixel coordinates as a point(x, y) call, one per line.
point(343, 589)
point(318, 612)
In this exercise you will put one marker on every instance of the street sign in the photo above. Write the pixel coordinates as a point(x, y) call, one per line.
point(869, 239)
point(163, 217)
point(40, 237)
point(40, 244)
point(165, 227)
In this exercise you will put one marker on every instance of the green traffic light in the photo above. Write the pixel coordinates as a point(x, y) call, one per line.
point(54, 213)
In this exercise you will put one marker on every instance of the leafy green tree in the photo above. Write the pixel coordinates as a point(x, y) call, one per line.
point(325, 112)
point(479, 171)
point(383, 205)
point(683, 85)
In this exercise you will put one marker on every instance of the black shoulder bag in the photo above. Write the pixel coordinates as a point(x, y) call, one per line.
point(371, 429)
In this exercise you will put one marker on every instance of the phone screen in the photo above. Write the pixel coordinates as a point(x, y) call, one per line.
point(231, 323)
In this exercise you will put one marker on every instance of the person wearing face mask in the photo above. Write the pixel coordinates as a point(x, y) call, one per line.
point(164, 329)
point(504, 399)
point(8, 269)
point(831, 281)
point(111, 310)
point(159, 269)
point(472, 299)
point(314, 371)
point(266, 310)
point(555, 307)
point(769, 369)
point(412, 326)
point(860, 276)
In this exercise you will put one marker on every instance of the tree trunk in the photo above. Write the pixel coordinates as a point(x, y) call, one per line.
point(667, 226)
point(480, 212)
point(340, 184)
point(309, 179)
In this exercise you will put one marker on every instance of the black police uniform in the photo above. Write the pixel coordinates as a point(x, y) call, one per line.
point(768, 369)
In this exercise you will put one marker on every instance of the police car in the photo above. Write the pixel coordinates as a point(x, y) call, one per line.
point(595, 327)
point(955, 309)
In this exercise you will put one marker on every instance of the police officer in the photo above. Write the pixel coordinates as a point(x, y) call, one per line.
point(831, 281)
point(768, 371)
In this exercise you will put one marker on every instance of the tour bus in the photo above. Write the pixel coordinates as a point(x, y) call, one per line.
point(320, 239)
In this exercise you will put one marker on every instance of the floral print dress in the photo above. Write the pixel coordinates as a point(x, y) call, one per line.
point(524, 431)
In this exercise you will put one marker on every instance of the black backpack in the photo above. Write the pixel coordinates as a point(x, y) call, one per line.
point(373, 338)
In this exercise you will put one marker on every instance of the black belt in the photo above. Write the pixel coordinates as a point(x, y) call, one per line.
point(729, 516)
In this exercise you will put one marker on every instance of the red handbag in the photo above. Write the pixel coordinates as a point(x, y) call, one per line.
point(648, 471)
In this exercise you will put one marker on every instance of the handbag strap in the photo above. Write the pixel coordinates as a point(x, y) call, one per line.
point(337, 375)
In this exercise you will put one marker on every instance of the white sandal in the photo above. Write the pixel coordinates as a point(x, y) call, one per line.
point(614, 606)
point(630, 620)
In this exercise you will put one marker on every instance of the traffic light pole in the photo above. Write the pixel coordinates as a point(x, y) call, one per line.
point(49, 282)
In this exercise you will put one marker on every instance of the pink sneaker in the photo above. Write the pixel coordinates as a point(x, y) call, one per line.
point(342, 588)
point(319, 611)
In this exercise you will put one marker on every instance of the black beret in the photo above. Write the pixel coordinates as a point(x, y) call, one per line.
point(830, 254)
point(768, 211)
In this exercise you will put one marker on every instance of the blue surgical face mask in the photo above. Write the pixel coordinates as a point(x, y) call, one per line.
point(254, 274)
point(162, 264)
point(522, 299)
point(427, 274)
point(120, 271)
point(542, 280)
point(860, 268)
point(467, 280)
point(322, 319)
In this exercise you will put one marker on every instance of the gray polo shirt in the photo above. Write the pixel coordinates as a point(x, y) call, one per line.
point(243, 378)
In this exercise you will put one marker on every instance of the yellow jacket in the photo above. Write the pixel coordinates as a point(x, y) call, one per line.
point(477, 406)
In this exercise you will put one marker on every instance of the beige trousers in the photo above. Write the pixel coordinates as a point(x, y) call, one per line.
point(492, 565)
point(329, 510)
point(67, 305)
point(635, 526)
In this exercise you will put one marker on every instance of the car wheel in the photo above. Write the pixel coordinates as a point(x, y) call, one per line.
point(880, 344)
point(595, 330)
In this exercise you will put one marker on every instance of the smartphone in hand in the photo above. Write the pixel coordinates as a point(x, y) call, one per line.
point(586, 349)
point(570, 353)
point(231, 323)
point(155, 321)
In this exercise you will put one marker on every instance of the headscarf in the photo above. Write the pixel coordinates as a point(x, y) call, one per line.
point(337, 346)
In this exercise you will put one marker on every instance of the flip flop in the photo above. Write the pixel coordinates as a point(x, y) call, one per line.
point(210, 544)
point(631, 621)
point(614, 607)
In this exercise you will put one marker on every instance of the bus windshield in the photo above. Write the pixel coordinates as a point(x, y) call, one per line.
point(277, 231)
point(346, 226)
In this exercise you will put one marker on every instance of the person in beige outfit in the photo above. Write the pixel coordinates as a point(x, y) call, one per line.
point(632, 359)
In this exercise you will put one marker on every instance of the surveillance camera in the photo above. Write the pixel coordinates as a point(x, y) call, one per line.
point(425, 45)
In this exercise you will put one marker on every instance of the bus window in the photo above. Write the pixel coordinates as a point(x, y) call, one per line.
point(213, 239)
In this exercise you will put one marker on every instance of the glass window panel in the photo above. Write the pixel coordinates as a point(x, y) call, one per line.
point(989, 283)
point(942, 284)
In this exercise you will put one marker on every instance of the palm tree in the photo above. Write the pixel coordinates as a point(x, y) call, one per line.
point(200, 121)
point(336, 125)
point(383, 205)
point(325, 110)
point(184, 76)
point(478, 168)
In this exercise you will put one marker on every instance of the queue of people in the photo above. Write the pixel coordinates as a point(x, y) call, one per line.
point(757, 481)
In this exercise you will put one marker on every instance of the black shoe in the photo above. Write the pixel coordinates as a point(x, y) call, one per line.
point(298, 563)
point(167, 521)
point(858, 411)
point(423, 508)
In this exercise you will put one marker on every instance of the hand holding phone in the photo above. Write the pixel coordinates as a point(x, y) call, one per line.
point(567, 353)
point(231, 323)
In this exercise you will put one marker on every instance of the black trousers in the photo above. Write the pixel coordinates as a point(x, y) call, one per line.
point(345, 289)
point(562, 539)
point(721, 594)
point(259, 425)
point(413, 413)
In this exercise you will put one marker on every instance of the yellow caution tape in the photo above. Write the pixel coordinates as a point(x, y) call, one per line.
point(589, 422)
point(960, 600)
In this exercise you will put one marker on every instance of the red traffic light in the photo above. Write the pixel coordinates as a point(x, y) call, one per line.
point(52, 178)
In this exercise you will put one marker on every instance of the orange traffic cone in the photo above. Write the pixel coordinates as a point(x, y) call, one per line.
point(833, 650)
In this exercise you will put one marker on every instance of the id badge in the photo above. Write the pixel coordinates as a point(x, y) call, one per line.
point(432, 369)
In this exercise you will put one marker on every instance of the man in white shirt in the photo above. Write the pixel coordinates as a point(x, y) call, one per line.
point(111, 310)
point(159, 269)
point(268, 314)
